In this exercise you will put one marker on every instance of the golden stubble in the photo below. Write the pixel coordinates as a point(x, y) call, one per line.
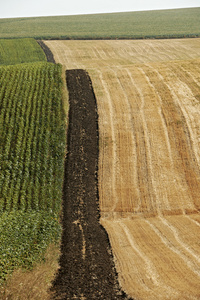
point(149, 163)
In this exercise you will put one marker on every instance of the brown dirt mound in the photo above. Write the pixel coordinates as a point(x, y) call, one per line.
point(86, 264)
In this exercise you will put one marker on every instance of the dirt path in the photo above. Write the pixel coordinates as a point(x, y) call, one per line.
point(86, 265)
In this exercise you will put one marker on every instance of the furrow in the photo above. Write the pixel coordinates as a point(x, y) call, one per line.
point(146, 176)
point(130, 158)
point(179, 144)
point(188, 148)
point(110, 143)
point(127, 154)
point(131, 263)
point(168, 257)
point(185, 246)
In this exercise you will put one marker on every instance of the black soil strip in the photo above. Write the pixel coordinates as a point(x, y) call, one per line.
point(86, 264)
point(47, 51)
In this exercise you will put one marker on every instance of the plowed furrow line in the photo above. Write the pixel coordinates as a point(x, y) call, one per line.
point(73, 63)
point(162, 265)
point(59, 54)
point(139, 276)
point(94, 53)
point(145, 172)
point(118, 110)
point(189, 252)
point(187, 50)
point(141, 165)
point(190, 75)
point(109, 139)
point(161, 52)
point(182, 91)
point(164, 253)
point(170, 115)
point(106, 136)
point(65, 51)
point(98, 53)
point(135, 53)
point(162, 164)
point(183, 224)
point(195, 218)
point(123, 120)
point(187, 149)
point(103, 51)
point(181, 147)
point(192, 218)
point(128, 161)
point(166, 51)
point(173, 243)
point(188, 91)
point(162, 171)
point(135, 95)
point(162, 119)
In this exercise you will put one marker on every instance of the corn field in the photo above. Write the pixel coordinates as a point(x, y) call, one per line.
point(31, 145)
point(32, 149)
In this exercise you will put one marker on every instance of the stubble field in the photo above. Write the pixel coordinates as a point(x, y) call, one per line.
point(148, 96)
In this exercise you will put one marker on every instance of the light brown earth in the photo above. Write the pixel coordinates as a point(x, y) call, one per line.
point(148, 95)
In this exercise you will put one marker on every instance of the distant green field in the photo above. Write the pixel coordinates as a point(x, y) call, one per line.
point(18, 51)
point(146, 24)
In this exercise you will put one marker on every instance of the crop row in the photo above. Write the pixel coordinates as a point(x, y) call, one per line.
point(32, 137)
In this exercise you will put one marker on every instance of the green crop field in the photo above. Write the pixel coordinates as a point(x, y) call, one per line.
point(32, 149)
point(15, 51)
point(146, 24)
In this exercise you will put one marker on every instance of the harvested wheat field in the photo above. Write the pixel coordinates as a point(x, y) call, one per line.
point(148, 96)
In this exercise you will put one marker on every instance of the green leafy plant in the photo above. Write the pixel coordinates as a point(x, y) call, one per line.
point(32, 151)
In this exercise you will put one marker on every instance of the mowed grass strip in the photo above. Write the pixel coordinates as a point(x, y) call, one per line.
point(32, 149)
point(144, 24)
point(16, 51)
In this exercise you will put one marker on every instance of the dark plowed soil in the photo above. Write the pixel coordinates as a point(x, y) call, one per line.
point(86, 264)
point(47, 51)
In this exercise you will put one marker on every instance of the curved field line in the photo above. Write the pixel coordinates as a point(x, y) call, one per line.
point(160, 111)
point(193, 174)
point(150, 268)
point(166, 255)
point(193, 220)
point(188, 119)
point(133, 160)
point(169, 244)
point(175, 115)
point(182, 244)
point(111, 116)
point(147, 145)
point(128, 145)
point(98, 53)
point(141, 275)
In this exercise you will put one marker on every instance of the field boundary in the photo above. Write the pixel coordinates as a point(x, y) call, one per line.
point(147, 37)
point(47, 51)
